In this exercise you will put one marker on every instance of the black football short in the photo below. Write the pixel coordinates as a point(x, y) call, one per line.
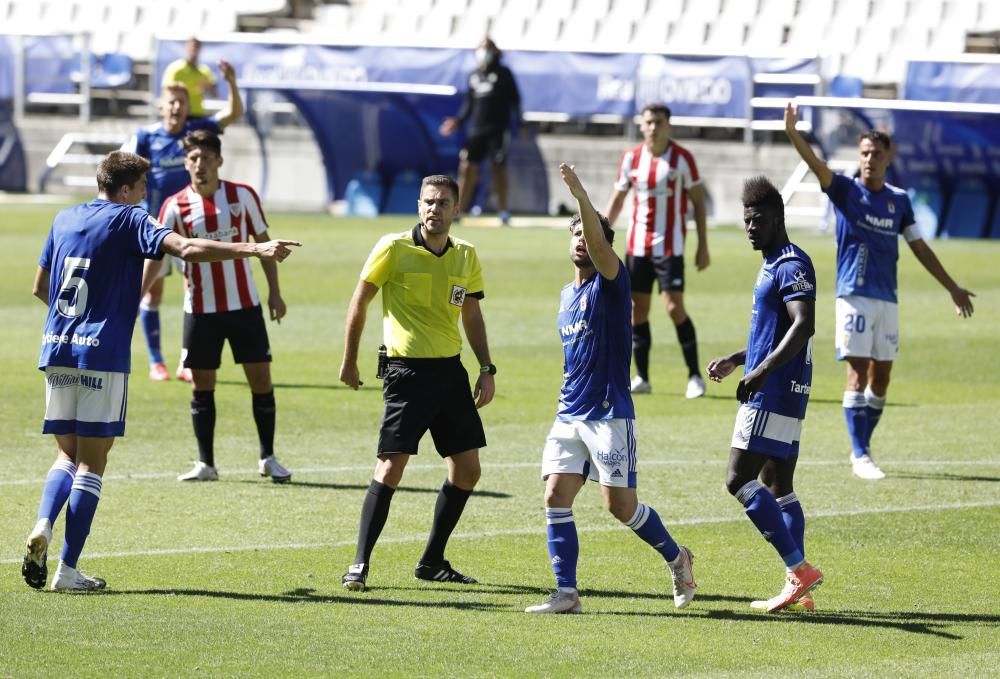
point(429, 393)
point(204, 335)
point(667, 271)
point(492, 145)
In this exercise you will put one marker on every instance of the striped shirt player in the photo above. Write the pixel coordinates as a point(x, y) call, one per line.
point(221, 302)
point(662, 176)
point(593, 436)
point(870, 215)
point(160, 143)
point(774, 391)
point(232, 214)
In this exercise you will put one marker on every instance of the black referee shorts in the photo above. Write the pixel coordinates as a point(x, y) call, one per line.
point(204, 335)
point(429, 393)
point(668, 272)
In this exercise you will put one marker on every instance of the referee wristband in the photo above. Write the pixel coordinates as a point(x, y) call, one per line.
point(488, 369)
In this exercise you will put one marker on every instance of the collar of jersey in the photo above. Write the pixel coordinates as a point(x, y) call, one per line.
point(418, 240)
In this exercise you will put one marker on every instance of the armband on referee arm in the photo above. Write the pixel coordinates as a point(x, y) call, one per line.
point(488, 369)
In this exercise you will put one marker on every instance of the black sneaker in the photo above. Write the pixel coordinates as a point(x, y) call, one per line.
point(355, 577)
point(442, 572)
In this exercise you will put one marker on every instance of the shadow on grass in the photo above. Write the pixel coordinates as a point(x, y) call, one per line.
point(942, 476)
point(306, 595)
point(934, 624)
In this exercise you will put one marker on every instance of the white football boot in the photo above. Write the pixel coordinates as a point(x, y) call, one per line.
point(640, 386)
point(558, 602)
point(682, 574)
point(695, 388)
point(200, 472)
point(269, 466)
point(864, 467)
point(71, 580)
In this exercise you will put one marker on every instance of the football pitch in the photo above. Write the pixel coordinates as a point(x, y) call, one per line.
point(242, 577)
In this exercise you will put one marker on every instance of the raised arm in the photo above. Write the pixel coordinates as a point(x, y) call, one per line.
point(357, 313)
point(823, 173)
point(475, 332)
point(959, 295)
point(802, 311)
point(601, 253)
point(234, 104)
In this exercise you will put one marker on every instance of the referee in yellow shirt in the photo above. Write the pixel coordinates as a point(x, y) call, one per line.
point(428, 280)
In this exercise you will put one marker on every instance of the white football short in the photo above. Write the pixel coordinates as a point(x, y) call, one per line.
point(761, 431)
point(599, 450)
point(867, 328)
point(85, 402)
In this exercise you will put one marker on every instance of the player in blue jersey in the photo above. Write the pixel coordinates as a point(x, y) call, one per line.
point(774, 391)
point(90, 276)
point(160, 143)
point(594, 432)
point(871, 214)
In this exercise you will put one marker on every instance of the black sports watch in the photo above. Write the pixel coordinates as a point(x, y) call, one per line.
point(488, 369)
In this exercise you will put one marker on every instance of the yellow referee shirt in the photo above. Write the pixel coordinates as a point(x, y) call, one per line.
point(422, 293)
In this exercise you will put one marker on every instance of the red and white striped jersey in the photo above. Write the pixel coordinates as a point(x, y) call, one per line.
point(659, 184)
point(231, 215)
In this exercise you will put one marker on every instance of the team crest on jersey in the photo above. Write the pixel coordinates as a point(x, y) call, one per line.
point(583, 304)
point(892, 208)
point(457, 295)
point(235, 209)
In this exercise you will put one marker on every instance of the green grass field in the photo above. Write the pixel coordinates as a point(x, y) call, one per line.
point(242, 577)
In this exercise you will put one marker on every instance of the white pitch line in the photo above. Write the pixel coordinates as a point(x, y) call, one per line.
point(537, 530)
point(892, 465)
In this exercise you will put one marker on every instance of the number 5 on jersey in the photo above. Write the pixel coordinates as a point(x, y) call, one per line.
point(72, 299)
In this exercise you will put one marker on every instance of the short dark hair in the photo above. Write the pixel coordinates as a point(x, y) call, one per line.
point(118, 169)
point(609, 233)
point(656, 108)
point(440, 180)
point(877, 137)
point(206, 140)
point(760, 193)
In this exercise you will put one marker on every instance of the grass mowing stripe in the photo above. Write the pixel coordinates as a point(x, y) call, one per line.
point(519, 531)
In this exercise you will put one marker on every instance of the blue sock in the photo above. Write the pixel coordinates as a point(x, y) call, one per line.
point(873, 407)
point(56, 490)
point(795, 520)
point(150, 317)
point(564, 545)
point(82, 505)
point(857, 421)
point(647, 525)
point(765, 513)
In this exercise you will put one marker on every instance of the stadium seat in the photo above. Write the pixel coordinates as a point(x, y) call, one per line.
point(403, 193)
point(968, 211)
point(578, 30)
point(846, 86)
point(616, 29)
point(363, 195)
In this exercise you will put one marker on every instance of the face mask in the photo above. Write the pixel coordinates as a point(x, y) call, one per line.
point(482, 54)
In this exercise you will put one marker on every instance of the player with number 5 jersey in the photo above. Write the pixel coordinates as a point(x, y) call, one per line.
point(91, 275)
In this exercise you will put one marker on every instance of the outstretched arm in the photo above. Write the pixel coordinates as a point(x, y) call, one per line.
point(475, 331)
point(601, 253)
point(234, 104)
point(823, 173)
point(960, 296)
point(357, 313)
point(204, 250)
